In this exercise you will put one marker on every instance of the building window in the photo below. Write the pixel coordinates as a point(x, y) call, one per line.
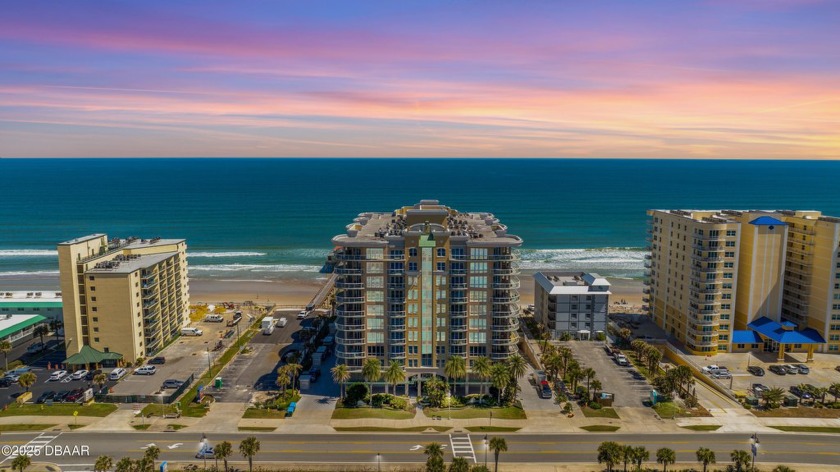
point(412, 267)
point(412, 252)
point(93, 309)
point(93, 289)
point(91, 277)
point(441, 266)
point(441, 252)
point(96, 340)
point(730, 232)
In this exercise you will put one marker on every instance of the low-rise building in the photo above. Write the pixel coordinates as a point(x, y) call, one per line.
point(18, 329)
point(571, 302)
point(46, 303)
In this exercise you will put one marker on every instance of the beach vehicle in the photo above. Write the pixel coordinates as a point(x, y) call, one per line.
point(214, 318)
point(191, 332)
point(57, 375)
point(145, 370)
point(79, 374)
point(268, 325)
point(117, 373)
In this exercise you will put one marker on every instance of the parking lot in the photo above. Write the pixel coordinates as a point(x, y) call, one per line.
point(629, 390)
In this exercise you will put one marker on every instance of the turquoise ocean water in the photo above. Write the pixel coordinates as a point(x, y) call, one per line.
point(263, 219)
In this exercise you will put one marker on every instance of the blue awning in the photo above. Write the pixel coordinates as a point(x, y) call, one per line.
point(767, 221)
point(746, 336)
point(774, 330)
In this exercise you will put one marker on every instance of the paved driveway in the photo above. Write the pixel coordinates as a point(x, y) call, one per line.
point(614, 378)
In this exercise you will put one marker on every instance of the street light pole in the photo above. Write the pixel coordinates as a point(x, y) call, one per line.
point(485, 452)
point(204, 449)
point(754, 447)
point(379, 462)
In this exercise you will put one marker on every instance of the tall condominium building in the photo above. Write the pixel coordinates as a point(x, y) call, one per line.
point(571, 303)
point(727, 280)
point(124, 296)
point(423, 283)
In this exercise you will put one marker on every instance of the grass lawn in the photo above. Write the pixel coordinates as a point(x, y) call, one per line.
point(381, 413)
point(62, 409)
point(491, 429)
point(259, 429)
point(251, 413)
point(702, 427)
point(669, 410)
point(74, 427)
point(797, 412)
point(415, 429)
point(602, 413)
point(808, 429)
point(176, 427)
point(600, 428)
point(506, 413)
point(25, 427)
point(141, 427)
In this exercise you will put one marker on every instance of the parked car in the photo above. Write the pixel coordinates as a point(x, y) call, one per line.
point(545, 389)
point(621, 360)
point(35, 348)
point(791, 369)
point(74, 395)
point(79, 374)
point(723, 373)
point(46, 396)
point(801, 393)
point(6, 382)
point(191, 332)
point(756, 370)
point(778, 370)
point(172, 383)
point(759, 389)
point(160, 360)
point(145, 370)
point(61, 396)
point(214, 318)
point(710, 369)
point(301, 314)
point(93, 373)
point(803, 369)
point(57, 375)
point(117, 373)
point(12, 377)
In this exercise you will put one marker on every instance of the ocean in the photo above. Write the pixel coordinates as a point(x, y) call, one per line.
point(267, 219)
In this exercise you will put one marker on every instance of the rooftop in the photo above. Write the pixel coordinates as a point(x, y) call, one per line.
point(428, 215)
point(784, 333)
point(30, 297)
point(10, 324)
point(570, 283)
point(769, 217)
point(126, 264)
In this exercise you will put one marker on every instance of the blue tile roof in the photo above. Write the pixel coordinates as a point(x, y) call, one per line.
point(774, 330)
point(767, 221)
point(746, 336)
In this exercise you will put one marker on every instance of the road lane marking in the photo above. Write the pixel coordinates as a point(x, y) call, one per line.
point(462, 446)
point(38, 441)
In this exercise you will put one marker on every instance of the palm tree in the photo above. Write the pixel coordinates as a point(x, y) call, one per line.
point(575, 375)
point(640, 454)
point(589, 374)
point(371, 371)
point(552, 364)
point(124, 465)
point(151, 454)
point(459, 464)
point(627, 453)
point(565, 357)
point(434, 462)
point(41, 330)
point(609, 453)
point(665, 456)
point(455, 368)
point(705, 456)
point(482, 368)
point(21, 462)
point(5, 347)
point(103, 463)
point(500, 378)
point(773, 397)
point(498, 445)
point(27, 380)
point(100, 380)
point(740, 458)
point(283, 377)
point(596, 387)
point(638, 346)
point(682, 374)
point(394, 375)
point(222, 451)
point(517, 365)
point(653, 358)
point(294, 369)
point(834, 389)
point(249, 447)
point(340, 375)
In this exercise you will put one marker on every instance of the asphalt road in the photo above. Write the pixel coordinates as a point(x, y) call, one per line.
point(362, 448)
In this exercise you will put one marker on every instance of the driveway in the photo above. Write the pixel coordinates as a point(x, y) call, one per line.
point(629, 392)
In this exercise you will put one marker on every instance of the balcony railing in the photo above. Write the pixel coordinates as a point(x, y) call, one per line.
point(344, 354)
point(350, 313)
point(342, 326)
point(457, 341)
point(349, 340)
point(349, 285)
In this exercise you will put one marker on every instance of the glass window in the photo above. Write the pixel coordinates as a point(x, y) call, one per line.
point(441, 252)
point(375, 282)
point(478, 296)
point(375, 267)
point(478, 337)
point(375, 323)
point(375, 253)
point(478, 253)
point(412, 252)
point(478, 281)
point(375, 310)
point(375, 295)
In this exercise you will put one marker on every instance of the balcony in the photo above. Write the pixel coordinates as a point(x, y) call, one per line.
point(505, 257)
point(150, 303)
point(396, 314)
point(798, 230)
point(458, 286)
point(341, 300)
point(505, 314)
point(349, 285)
point(458, 341)
point(512, 284)
point(507, 328)
point(349, 340)
point(500, 356)
point(458, 300)
point(349, 313)
point(396, 342)
point(352, 353)
point(506, 271)
point(348, 271)
point(458, 314)
point(349, 327)
point(149, 283)
point(507, 298)
point(454, 271)
point(458, 327)
point(648, 257)
point(804, 292)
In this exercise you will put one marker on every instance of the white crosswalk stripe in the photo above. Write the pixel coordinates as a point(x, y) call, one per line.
point(37, 442)
point(462, 446)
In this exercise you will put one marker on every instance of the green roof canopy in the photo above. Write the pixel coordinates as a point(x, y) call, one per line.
point(33, 320)
point(89, 355)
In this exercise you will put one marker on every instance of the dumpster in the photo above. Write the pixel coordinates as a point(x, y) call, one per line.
point(218, 383)
point(752, 401)
point(790, 400)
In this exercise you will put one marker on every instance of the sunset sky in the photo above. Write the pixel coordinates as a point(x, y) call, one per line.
point(660, 79)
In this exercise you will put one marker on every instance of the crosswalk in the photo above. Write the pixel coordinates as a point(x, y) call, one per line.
point(36, 443)
point(462, 446)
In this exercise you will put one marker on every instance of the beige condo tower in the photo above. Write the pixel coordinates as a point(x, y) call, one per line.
point(124, 296)
point(729, 280)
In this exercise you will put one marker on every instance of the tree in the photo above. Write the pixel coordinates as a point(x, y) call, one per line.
point(340, 375)
point(283, 377)
point(394, 375)
point(517, 366)
point(639, 347)
point(498, 445)
point(500, 378)
point(482, 368)
point(640, 454)
point(624, 334)
point(565, 355)
point(459, 464)
point(124, 465)
point(455, 368)
point(5, 347)
point(653, 358)
point(222, 451)
point(434, 462)
point(371, 371)
point(435, 390)
point(249, 447)
point(665, 456)
point(589, 374)
point(740, 458)
point(705, 456)
point(293, 368)
point(834, 389)
point(574, 375)
point(773, 397)
point(100, 379)
point(103, 463)
point(596, 387)
point(41, 330)
point(21, 462)
point(152, 453)
point(27, 380)
point(782, 468)
point(552, 364)
point(610, 453)
point(627, 455)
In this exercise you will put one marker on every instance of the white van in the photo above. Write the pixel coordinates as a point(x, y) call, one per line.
point(116, 374)
point(214, 318)
point(191, 332)
point(281, 323)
